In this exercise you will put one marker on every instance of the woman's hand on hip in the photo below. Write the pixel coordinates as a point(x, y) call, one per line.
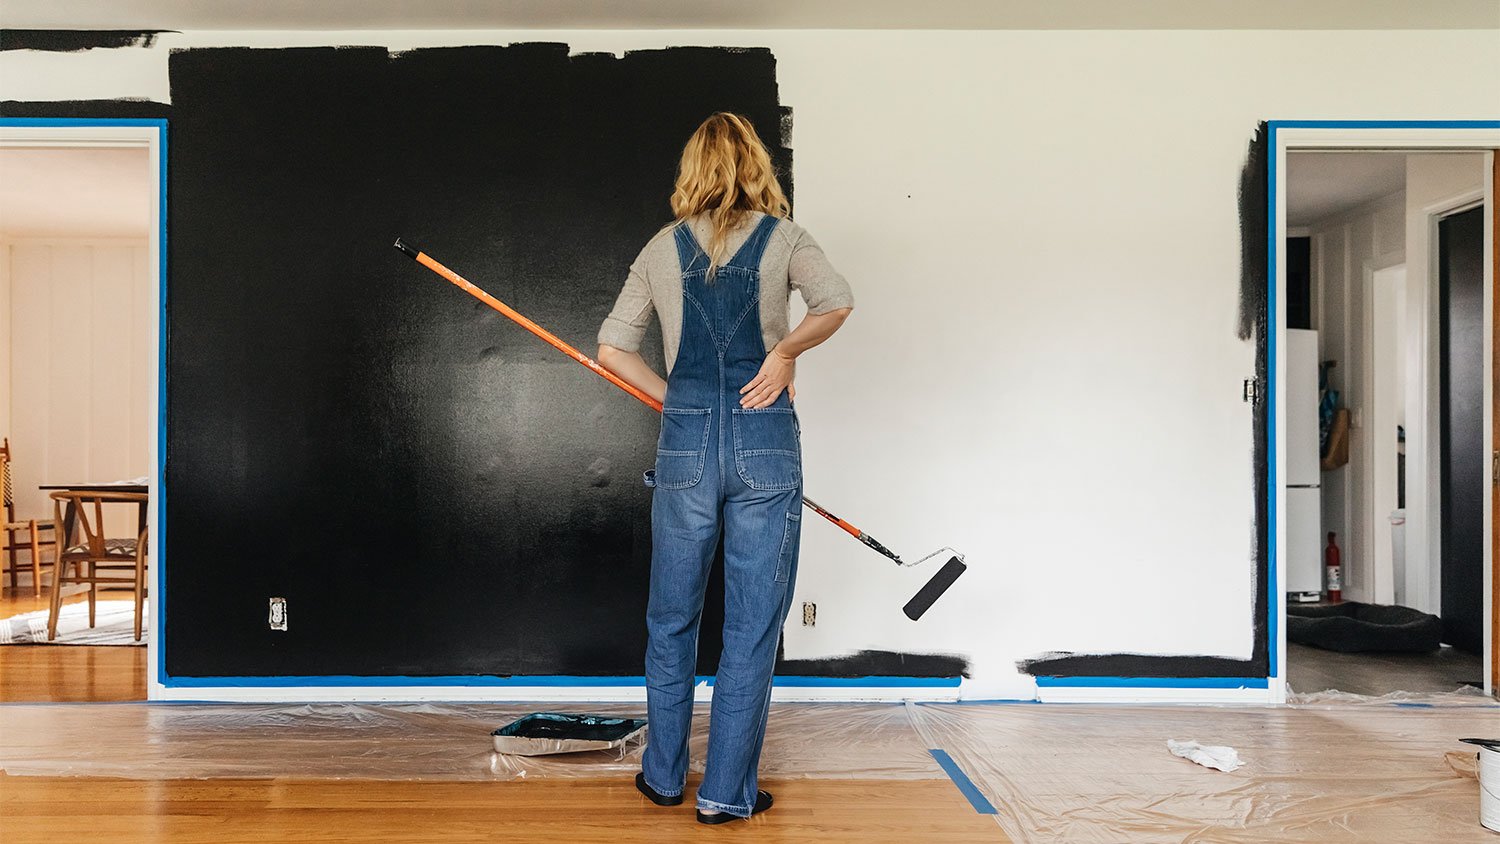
point(775, 375)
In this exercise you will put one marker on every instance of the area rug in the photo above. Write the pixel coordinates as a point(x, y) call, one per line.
point(114, 624)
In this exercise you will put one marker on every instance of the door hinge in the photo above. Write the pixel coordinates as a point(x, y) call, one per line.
point(1250, 391)
point(1495, 468)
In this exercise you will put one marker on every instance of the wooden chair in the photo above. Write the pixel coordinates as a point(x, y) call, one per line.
point(33, 531)
point(94, 558)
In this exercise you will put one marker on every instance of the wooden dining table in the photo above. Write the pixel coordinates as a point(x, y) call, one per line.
point(70, 513)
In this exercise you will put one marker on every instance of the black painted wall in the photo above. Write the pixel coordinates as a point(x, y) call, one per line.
point(433, 490)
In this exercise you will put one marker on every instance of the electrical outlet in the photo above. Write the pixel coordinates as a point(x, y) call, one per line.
point(809, 614)
point(278, 614)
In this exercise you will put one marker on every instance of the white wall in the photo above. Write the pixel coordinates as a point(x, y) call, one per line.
point(82, 369)
point(1346, 248)
point(1435, 184)
point(1042, 371)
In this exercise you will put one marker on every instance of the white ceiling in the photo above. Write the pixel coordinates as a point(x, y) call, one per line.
point(1322, 184)
point(82, 192)
point(751, 14)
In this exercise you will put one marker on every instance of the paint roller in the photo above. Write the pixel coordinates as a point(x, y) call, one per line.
point(919, 604)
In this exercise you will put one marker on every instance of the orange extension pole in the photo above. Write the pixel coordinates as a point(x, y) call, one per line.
point(556, 342)
point(941, 582)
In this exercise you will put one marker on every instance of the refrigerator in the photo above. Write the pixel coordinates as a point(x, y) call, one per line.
point(1303, 516)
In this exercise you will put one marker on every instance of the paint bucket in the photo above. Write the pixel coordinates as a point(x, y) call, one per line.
point(1489, 788)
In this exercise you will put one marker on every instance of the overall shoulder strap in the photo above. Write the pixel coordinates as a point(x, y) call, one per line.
point(690, 256)
point(749, 256)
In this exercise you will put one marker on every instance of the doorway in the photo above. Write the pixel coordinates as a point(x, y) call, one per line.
point(1373, 299)
point(81, 281)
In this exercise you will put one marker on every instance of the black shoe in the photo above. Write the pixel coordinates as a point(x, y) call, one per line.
point(658, 799)
point(762, 802)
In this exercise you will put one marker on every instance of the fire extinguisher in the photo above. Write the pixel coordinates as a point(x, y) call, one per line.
point(1332, 571)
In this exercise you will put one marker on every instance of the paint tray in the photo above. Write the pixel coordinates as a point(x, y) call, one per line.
point(541, 733)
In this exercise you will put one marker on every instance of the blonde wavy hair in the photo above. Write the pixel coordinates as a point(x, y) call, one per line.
point(726, 172)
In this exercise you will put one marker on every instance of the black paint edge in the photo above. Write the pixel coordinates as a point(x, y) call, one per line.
point(77, 40)
point(1253, 324)
point(876, 664)
point(1137, 665)
point(129, 108)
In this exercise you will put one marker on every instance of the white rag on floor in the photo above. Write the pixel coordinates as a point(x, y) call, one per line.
point(1207, 755)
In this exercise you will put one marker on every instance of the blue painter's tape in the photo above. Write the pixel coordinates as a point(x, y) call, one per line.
point(868, 682)
point(1273, 640)
point(83, 121)
point(1274, 650)
point(159, 485)
point(1154, 682)
point(993, 701)
point(343, 680)
point(94, 703)
point(158, 488)
point(966, 786)
point(347, 680)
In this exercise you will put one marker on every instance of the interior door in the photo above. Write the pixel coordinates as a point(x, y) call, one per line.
point(1495, 432)
point(1464, 465)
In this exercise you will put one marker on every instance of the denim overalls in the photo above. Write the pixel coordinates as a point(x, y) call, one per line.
point(719, 467)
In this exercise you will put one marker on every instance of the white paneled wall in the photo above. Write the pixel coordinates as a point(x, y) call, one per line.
point(77, 323)
point(5, 335)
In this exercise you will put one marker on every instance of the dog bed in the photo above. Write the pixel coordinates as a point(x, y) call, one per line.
point(1353, 627)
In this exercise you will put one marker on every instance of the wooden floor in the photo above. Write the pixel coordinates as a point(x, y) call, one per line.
point(1314, 670)
point(57, 673)
point(290, 811)
point(286, 810)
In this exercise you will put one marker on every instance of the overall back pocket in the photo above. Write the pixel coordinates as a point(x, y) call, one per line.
point(682, 447)
point(767, 447)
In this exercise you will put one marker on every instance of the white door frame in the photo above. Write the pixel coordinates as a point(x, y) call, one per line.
point(1455, 136)
point(151, 135)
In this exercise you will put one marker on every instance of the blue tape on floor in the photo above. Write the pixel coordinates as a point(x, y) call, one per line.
point(965, 785)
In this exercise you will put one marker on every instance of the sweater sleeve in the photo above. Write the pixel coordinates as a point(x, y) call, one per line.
point(626, 324)
point(822, 287)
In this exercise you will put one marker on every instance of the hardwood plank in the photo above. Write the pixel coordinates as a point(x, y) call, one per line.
point(52, 673)
point(298, 811)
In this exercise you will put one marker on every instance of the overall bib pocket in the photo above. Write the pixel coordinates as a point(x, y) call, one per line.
point(683, 445)
point(791, 538)
point(767, 447)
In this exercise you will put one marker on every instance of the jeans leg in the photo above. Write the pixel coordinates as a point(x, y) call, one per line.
point(760, 553)
point(684, 534)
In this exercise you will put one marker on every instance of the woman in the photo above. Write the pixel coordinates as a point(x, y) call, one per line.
point(729, 457)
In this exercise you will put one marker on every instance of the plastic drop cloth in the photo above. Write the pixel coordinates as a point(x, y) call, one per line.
point(1351, 769)
point(1459, 696)
point(1102, 773)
